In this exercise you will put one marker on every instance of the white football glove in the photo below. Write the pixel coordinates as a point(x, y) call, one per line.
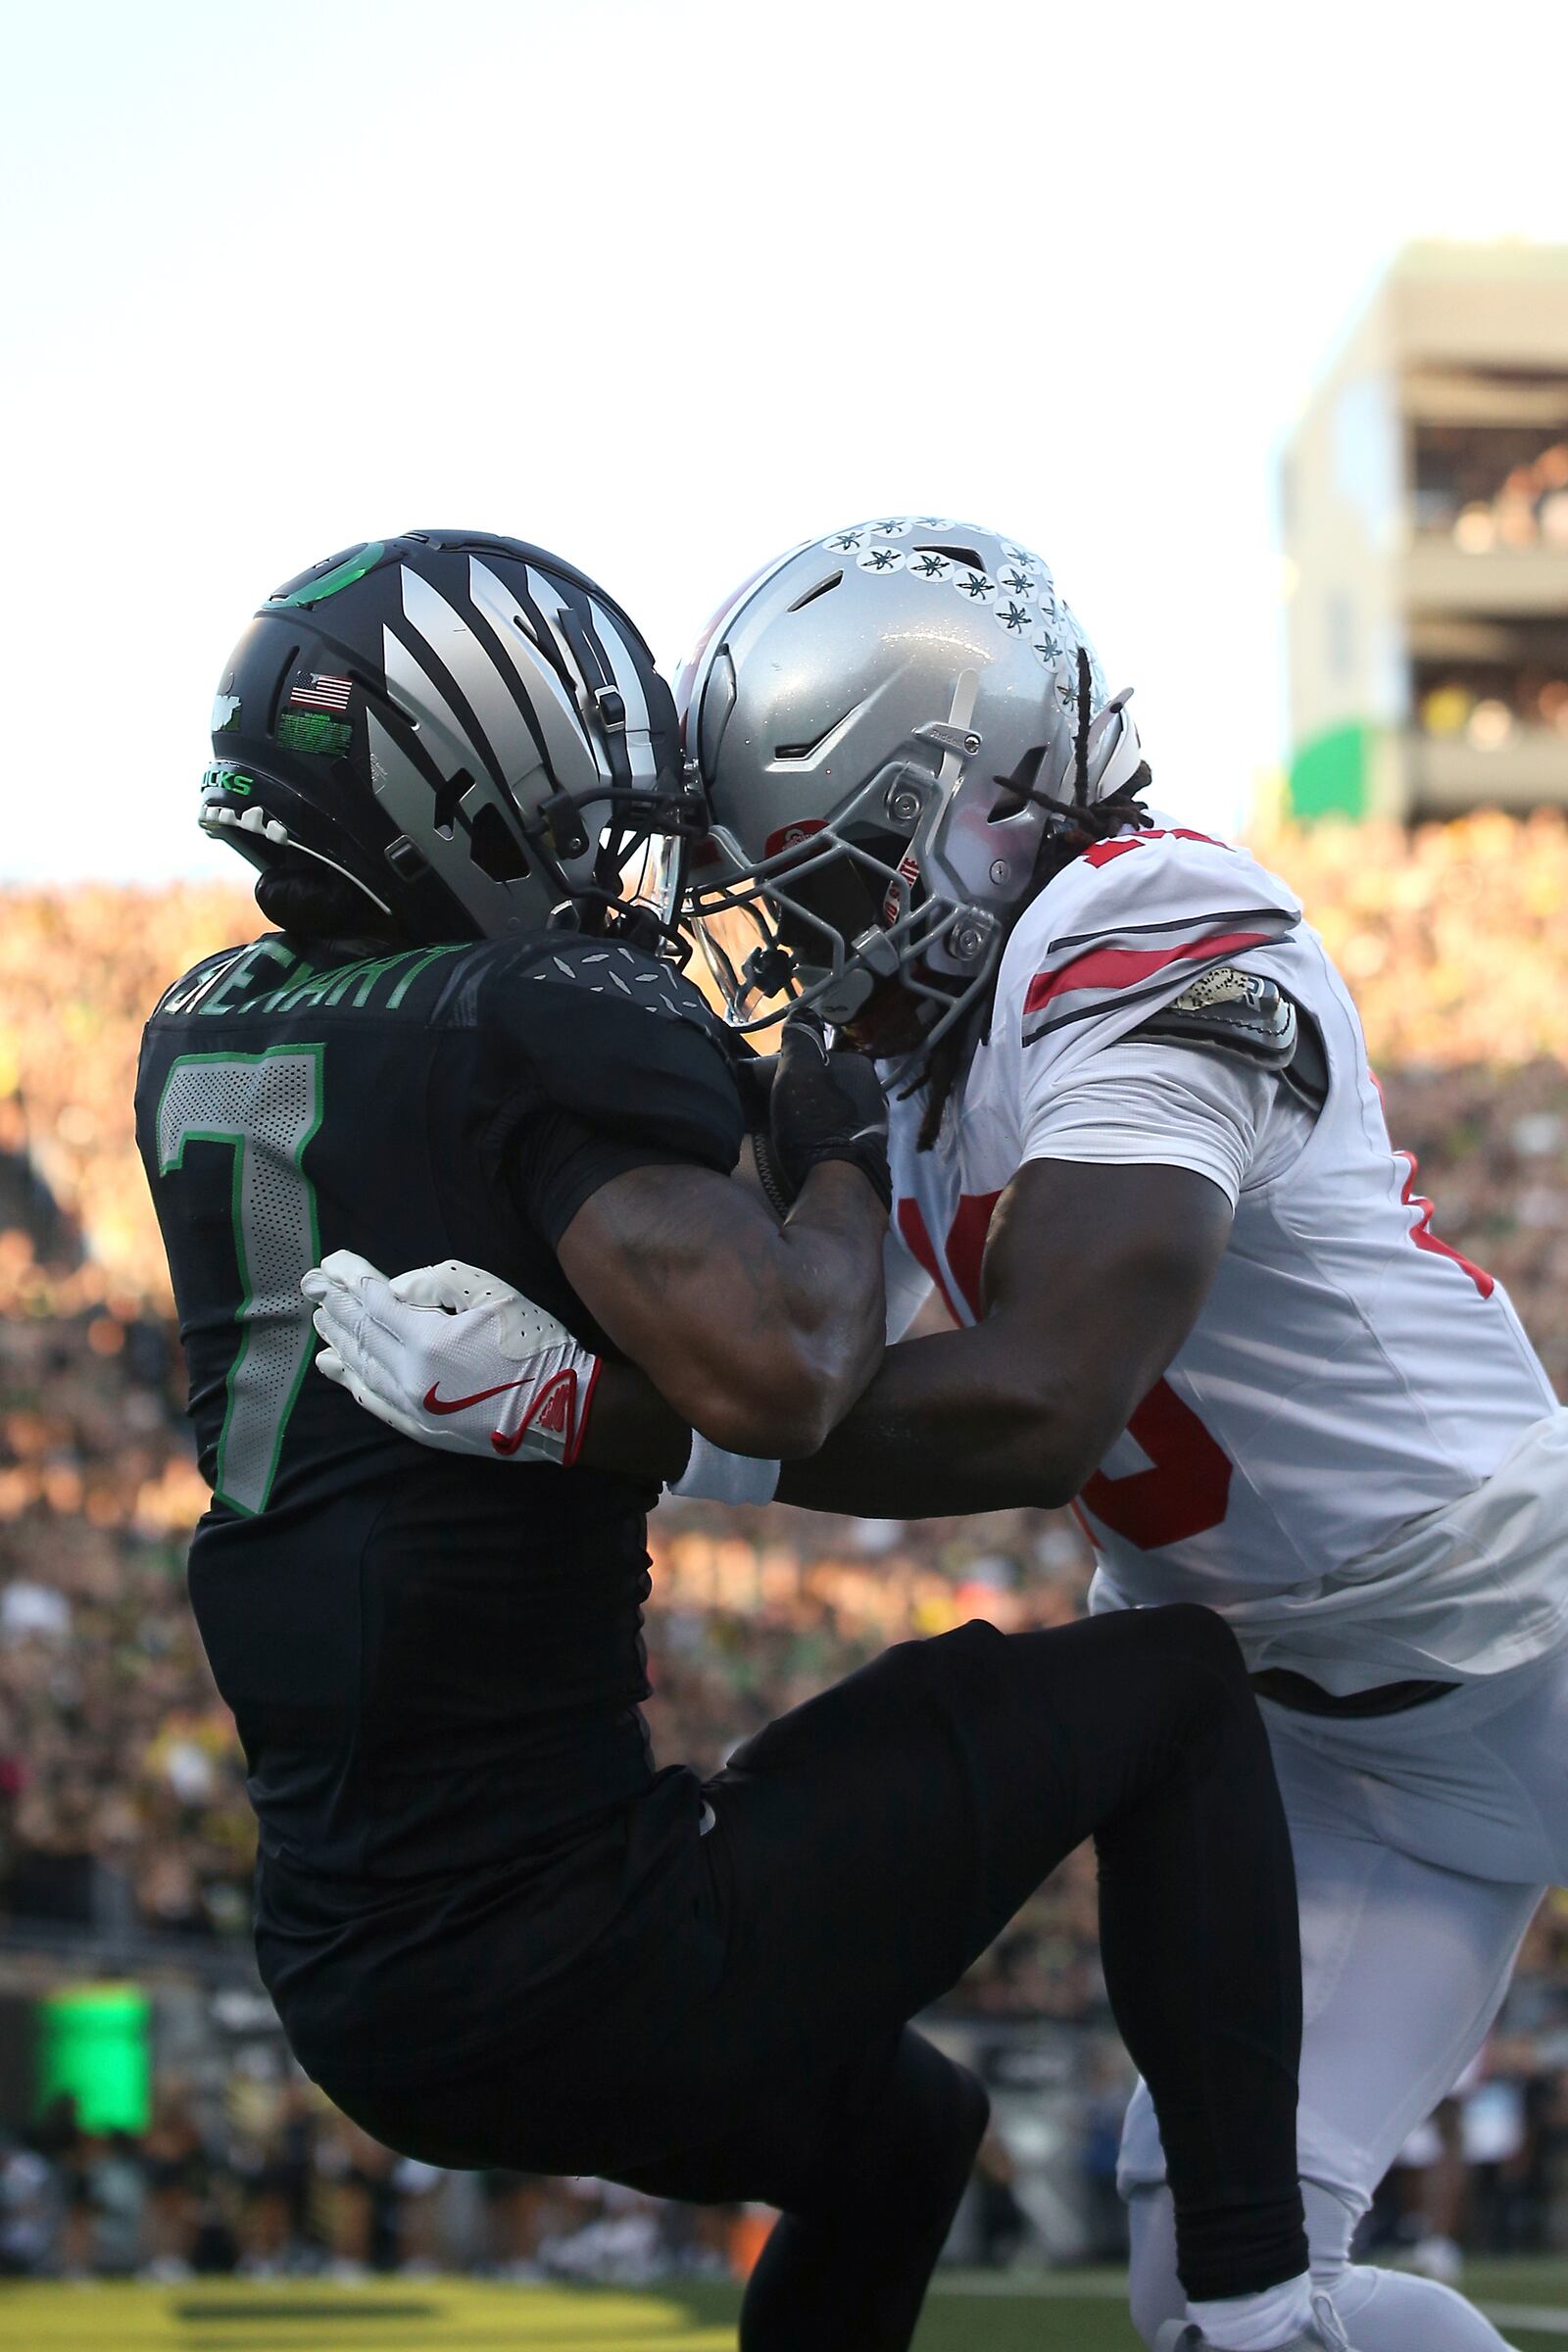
point(453, 1357)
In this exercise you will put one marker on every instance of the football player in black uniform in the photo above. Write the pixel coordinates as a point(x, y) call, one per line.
point(495, 1931)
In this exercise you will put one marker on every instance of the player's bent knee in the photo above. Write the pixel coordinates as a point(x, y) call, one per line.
point(1190, 1631)
point(930, 2129)
point(1203, 1673)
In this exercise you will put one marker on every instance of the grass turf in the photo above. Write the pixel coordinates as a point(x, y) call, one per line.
point(1069, 2312)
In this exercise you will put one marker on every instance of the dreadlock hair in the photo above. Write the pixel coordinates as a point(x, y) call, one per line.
point(1082, 825)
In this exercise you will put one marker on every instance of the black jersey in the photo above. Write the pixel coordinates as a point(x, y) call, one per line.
point(434, 1661)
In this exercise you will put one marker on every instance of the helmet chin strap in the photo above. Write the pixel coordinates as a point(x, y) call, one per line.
point(255, 820)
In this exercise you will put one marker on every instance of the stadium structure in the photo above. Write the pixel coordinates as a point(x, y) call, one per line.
point(1424, 500)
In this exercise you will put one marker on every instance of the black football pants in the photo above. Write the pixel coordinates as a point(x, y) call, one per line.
point(865, 1848)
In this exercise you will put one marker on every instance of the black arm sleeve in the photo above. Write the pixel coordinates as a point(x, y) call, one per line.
point(602, 1061)
point(558, 1163)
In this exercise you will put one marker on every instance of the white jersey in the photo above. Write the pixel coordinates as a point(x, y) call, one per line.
point(1312, 1461)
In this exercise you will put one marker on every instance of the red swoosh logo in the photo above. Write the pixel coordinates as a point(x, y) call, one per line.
point(460, 1404)
point(554, 1408)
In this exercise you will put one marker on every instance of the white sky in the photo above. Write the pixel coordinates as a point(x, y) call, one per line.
point(666, 286)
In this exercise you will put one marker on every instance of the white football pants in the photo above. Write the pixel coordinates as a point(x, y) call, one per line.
point(1423, 1843)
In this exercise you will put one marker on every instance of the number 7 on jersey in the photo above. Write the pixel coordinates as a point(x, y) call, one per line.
point(266, 1108)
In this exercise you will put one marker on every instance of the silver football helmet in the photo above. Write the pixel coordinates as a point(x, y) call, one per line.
point(889, 723)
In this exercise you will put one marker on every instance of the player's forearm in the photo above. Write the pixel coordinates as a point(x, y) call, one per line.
point(826, 1273)
point(950, 1425)
point(757, 1336)
point(800, 1334)
point(832, 1244)
point(1093, 1278)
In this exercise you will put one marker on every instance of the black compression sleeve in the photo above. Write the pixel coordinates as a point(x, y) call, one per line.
point(558, 1163)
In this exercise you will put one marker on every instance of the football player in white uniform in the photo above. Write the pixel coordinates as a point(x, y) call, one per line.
point(1138, 1150)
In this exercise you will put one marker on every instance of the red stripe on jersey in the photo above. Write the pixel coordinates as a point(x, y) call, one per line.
point(966, 1243)
point(917, 1241)
point(1424, 1238)
point(964, 1250)
point(1421, 1232)
point(1105, 851)
point(1118, 967)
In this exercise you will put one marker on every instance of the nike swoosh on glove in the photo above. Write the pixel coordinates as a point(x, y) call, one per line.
point(450, 1356)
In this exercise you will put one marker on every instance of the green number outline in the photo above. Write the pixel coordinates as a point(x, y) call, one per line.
point(238, 1142)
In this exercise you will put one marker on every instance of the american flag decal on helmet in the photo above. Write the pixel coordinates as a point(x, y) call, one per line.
point(322, 692)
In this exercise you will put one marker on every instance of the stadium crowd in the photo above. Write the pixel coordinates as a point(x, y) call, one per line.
point(1455, 938)
point(118, 1773)
point(278, 2184)
point(1485, 487)
point(121, 1800)
point(270, 2181)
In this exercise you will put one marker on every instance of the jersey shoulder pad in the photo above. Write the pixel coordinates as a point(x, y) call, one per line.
point(1234, 1012)
point(1129, 925)
point(615, 1037)
point(566, 960)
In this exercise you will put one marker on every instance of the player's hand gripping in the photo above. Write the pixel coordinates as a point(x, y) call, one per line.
point(450, 1356)
point(818, 1104)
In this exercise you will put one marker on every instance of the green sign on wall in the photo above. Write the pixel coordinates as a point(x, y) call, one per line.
point(1332, 775)
point(95, 2042)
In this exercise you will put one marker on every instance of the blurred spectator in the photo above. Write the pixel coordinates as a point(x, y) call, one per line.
point(178, 2178)
point(358, 2178)
point(1489, 486)
point(1002, 2226)
point(28, 2212)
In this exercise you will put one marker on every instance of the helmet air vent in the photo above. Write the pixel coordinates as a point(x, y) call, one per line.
point(807, 751)
point(493, 848)
point(448, 797)
point(968, 556)
point(822, 588)
point(1017, 792)
point(280, 685)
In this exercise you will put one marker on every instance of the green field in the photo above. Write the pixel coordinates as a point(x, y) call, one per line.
point(1079, 2312)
